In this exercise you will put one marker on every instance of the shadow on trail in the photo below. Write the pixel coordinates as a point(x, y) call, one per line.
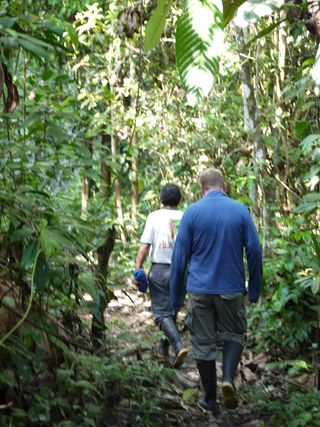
point(129, 319)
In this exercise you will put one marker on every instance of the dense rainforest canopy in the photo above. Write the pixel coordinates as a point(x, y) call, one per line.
point(102, 103)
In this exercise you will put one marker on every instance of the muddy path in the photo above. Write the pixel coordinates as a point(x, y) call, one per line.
point(129, 319)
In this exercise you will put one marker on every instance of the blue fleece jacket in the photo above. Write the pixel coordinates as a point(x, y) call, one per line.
point(212, 237)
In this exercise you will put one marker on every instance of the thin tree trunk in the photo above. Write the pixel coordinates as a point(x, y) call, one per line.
point(250, 116)
point(105, 184)
point(117, 190)
point(281, 137)
point(98, 323)
point(103, 252)
point(316, 357)
point(262, 192)
point(280, 41)
point(113, 71)
point(85, 192)
point(134, 185)
point(134, 146)
point(86, 184)
point(281, 46)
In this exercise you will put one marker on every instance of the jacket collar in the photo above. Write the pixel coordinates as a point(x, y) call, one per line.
point(215, 193)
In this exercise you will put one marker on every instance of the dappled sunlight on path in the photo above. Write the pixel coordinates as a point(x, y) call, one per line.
point(129, 318)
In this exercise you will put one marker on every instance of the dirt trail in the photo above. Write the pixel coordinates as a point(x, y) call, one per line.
point(131, 313)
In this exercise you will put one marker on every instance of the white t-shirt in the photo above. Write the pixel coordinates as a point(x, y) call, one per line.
point(160, 231)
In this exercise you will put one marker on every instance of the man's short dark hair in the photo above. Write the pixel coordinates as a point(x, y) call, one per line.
point(211, 178)
point(170, 195)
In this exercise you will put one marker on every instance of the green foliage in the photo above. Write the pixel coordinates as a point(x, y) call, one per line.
point(82, 389)
point(23, 30)
point(302, 408)
point(74, 386)
point(156, 24)
point(190, 396)
point(293, 367)
point(288, 317)
point(93, 111)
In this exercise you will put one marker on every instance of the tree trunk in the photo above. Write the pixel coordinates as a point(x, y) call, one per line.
point(134, 187)
point(105, 184)
point(117, 190)
point(86, 184)
point(98, 324)
point(316, 357)
point(262, 194)
point(85, 192)
point(114, 68)
point(280, 40)
point(134, 146)
point(103, 252)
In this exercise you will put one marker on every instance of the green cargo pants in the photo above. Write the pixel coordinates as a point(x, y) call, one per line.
point(212, 319)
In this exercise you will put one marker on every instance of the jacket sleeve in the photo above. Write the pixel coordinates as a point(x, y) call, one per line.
point(179, 263)
point(254, 257)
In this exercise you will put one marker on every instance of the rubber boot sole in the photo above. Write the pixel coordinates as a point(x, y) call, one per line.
point(179, 359)
point(163, 359)
point(205, 409)
point(229, 396)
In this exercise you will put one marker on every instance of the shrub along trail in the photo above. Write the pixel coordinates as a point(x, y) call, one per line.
point(163, 396)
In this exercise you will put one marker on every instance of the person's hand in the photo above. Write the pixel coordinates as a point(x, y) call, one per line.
point(136, 283)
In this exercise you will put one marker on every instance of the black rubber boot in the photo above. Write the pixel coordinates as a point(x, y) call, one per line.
point(163, 351)
point(231, 357)
point(208, 375)
point(168, 326)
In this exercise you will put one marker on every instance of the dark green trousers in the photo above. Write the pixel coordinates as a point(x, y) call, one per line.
point(212, 319)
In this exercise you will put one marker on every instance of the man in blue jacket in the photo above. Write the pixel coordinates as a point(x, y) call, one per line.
point(213, 235)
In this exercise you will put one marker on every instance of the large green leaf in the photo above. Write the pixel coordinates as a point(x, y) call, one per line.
point(311, 203)
point(53, 241)
point(156, 23)
point(199, 44)
point(35, 41)
point(20, 234)
point(315, 286)
point(34, 45)
point(41, 272)
point(34, 48)
point(29, 254)
point(56, 132)
point(229, 9)
point(310, 143)
point(7, 22)
point(72, 34)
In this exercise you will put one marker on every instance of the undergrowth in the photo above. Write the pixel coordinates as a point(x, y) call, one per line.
point(293, 408)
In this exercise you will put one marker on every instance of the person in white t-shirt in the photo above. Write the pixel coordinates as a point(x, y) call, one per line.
point(157, 241)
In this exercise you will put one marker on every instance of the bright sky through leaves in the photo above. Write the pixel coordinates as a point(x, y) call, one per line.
point(200, 42)
point(252, 10)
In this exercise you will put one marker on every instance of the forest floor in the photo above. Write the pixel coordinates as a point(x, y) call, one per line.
point(130, 320)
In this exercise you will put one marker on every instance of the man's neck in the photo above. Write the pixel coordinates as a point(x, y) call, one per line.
point(209, 190)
